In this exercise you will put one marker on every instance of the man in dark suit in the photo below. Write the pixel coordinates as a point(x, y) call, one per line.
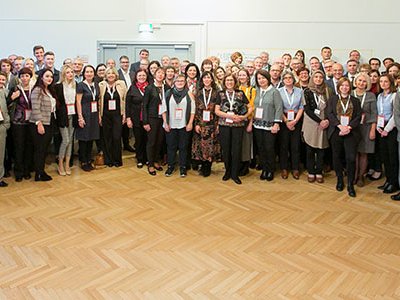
point(143, 54)
point(337, 70)
point(49, 57)
point(127, 76)
point(352, 66)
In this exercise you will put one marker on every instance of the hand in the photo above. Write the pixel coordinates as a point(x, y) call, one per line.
point(129, 123)
point(166, 127)
point(189, 127)
point(236, 118)
point(384, 133)
point(291, 125)
point(15, 95)
point(81, 123)
point(379, 130)
point(249, 127)
point(123, 120)
point(324, 124)
point(197, 128)
point(100, 123)
point(40, 128)
point(372, 135)
point(147, 127)
point(275, 128)
point(217, 130)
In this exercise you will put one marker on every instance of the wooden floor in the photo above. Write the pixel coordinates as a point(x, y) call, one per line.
point(122, 234)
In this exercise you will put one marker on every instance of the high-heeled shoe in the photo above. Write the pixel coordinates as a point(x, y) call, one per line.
point(152, 173)
point(61, 172)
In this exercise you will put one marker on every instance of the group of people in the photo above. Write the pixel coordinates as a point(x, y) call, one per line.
point(247, 114)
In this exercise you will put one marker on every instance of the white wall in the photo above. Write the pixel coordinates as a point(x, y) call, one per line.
point(73, 27)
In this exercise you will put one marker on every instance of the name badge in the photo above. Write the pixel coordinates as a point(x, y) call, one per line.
point(344, 120)
point(317, 112)
point(28, 113)
point(290, 115)
point(112, 105)
point(381, 121)
point(362, 118)
point(206, 116)
point(1, 116)
point(93, 106)
point(70, 109)
point(178, 114)
point(229, 120)
point(259, 112)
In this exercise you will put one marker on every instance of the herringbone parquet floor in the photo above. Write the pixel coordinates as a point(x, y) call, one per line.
point(122, 234)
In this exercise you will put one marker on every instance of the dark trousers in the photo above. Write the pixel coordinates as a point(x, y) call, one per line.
point(289, 142)
point(315, 160)
point(231, 144)
point(177, 139)
point(112, 130)
point(389, 154)
point(9, 153)
point(154, 140)
point(23, 149)
point(85, 151)
point(41, 144)
point(125, 135)
point(140, 143)
point(374, 159)
point(345, 146)
point(266, 149)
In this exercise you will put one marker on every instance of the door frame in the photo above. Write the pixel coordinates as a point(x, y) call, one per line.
point(102, 44)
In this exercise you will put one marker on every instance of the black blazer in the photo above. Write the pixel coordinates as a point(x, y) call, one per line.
point(151, 101)
point(121, 76)
point(134, 105)
point(310, 105)
point(56, 75)
point(61, 108)
point(334, 121)
point(135, 67)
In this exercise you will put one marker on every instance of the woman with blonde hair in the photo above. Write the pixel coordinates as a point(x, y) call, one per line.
point(65, 112)
point(237, 58)
point(112, 116)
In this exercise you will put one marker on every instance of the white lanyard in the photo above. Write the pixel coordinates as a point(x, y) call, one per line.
point(206, 102)
point(382, 98)
point(363, 98)
point(162, 94)
point(344, 107)
point(231, 100)
point(93, 92)
point(290, 99)
point(24, 94)
point(262, 94)
point(317, 100)
point(111, 92)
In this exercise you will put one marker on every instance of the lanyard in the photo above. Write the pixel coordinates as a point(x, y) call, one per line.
point(231, 100)
point(291, 98)
point(111, 91)
point(363, 98)
point(162, 93)
point(93, 92)
point(206, 102)
point(317, 100)
point(263, 92)
point(344, 107)
point(24, 94)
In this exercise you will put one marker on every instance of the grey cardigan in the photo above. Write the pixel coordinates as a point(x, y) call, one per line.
point(41, 107)
point(272, 105)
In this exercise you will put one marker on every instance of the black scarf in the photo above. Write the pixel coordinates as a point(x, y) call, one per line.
point(179, 94)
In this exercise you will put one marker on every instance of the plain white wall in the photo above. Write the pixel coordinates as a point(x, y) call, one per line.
point(72, 28)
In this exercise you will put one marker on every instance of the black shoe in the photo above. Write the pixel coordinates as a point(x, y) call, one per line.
point(383, 186)
point(263, 175)
point(195, 166)
point(27, 177)
point(18, 178)
point(370, 177)
point(259, 167)
point(129, 148)
point(244, 171)
point(3, 184)
point(339, 185)
point(270, 176)
point(152, 173)
point(169, 171)
point(86, 167)
point(118, 164)
point(351, 191)
point(42, 177)
point(390, 189)
point(110, 165)
point(237, 180)
point(183, 172)
point(206, 169)
point(139, 165)
point(395, 197)
point(253, 164)
point(226, 177)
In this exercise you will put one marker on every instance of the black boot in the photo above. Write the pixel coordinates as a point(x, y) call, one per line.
point(206, 168)
point(350, 190)
point(244, 169)
point(340, 184)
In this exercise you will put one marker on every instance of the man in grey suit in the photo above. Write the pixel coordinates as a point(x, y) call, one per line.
point(4, 126)
point(143, 54)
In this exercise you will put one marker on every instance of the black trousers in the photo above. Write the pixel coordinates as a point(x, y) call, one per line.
point(315, 160)
point(112, 130)
point(154, 140)
point(140, 143)
point(344, 146)
point(266, 149)
point(9, 151)
point(23, 149)
point(231, 144)
point(388, 147)
point(374, 159)
point(125, 135)
point(85, 151)
point(289, 143)
point(177, 139)
point(41, 144)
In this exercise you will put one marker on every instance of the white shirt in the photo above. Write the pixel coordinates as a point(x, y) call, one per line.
point(127, 78)
point(69, 93)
